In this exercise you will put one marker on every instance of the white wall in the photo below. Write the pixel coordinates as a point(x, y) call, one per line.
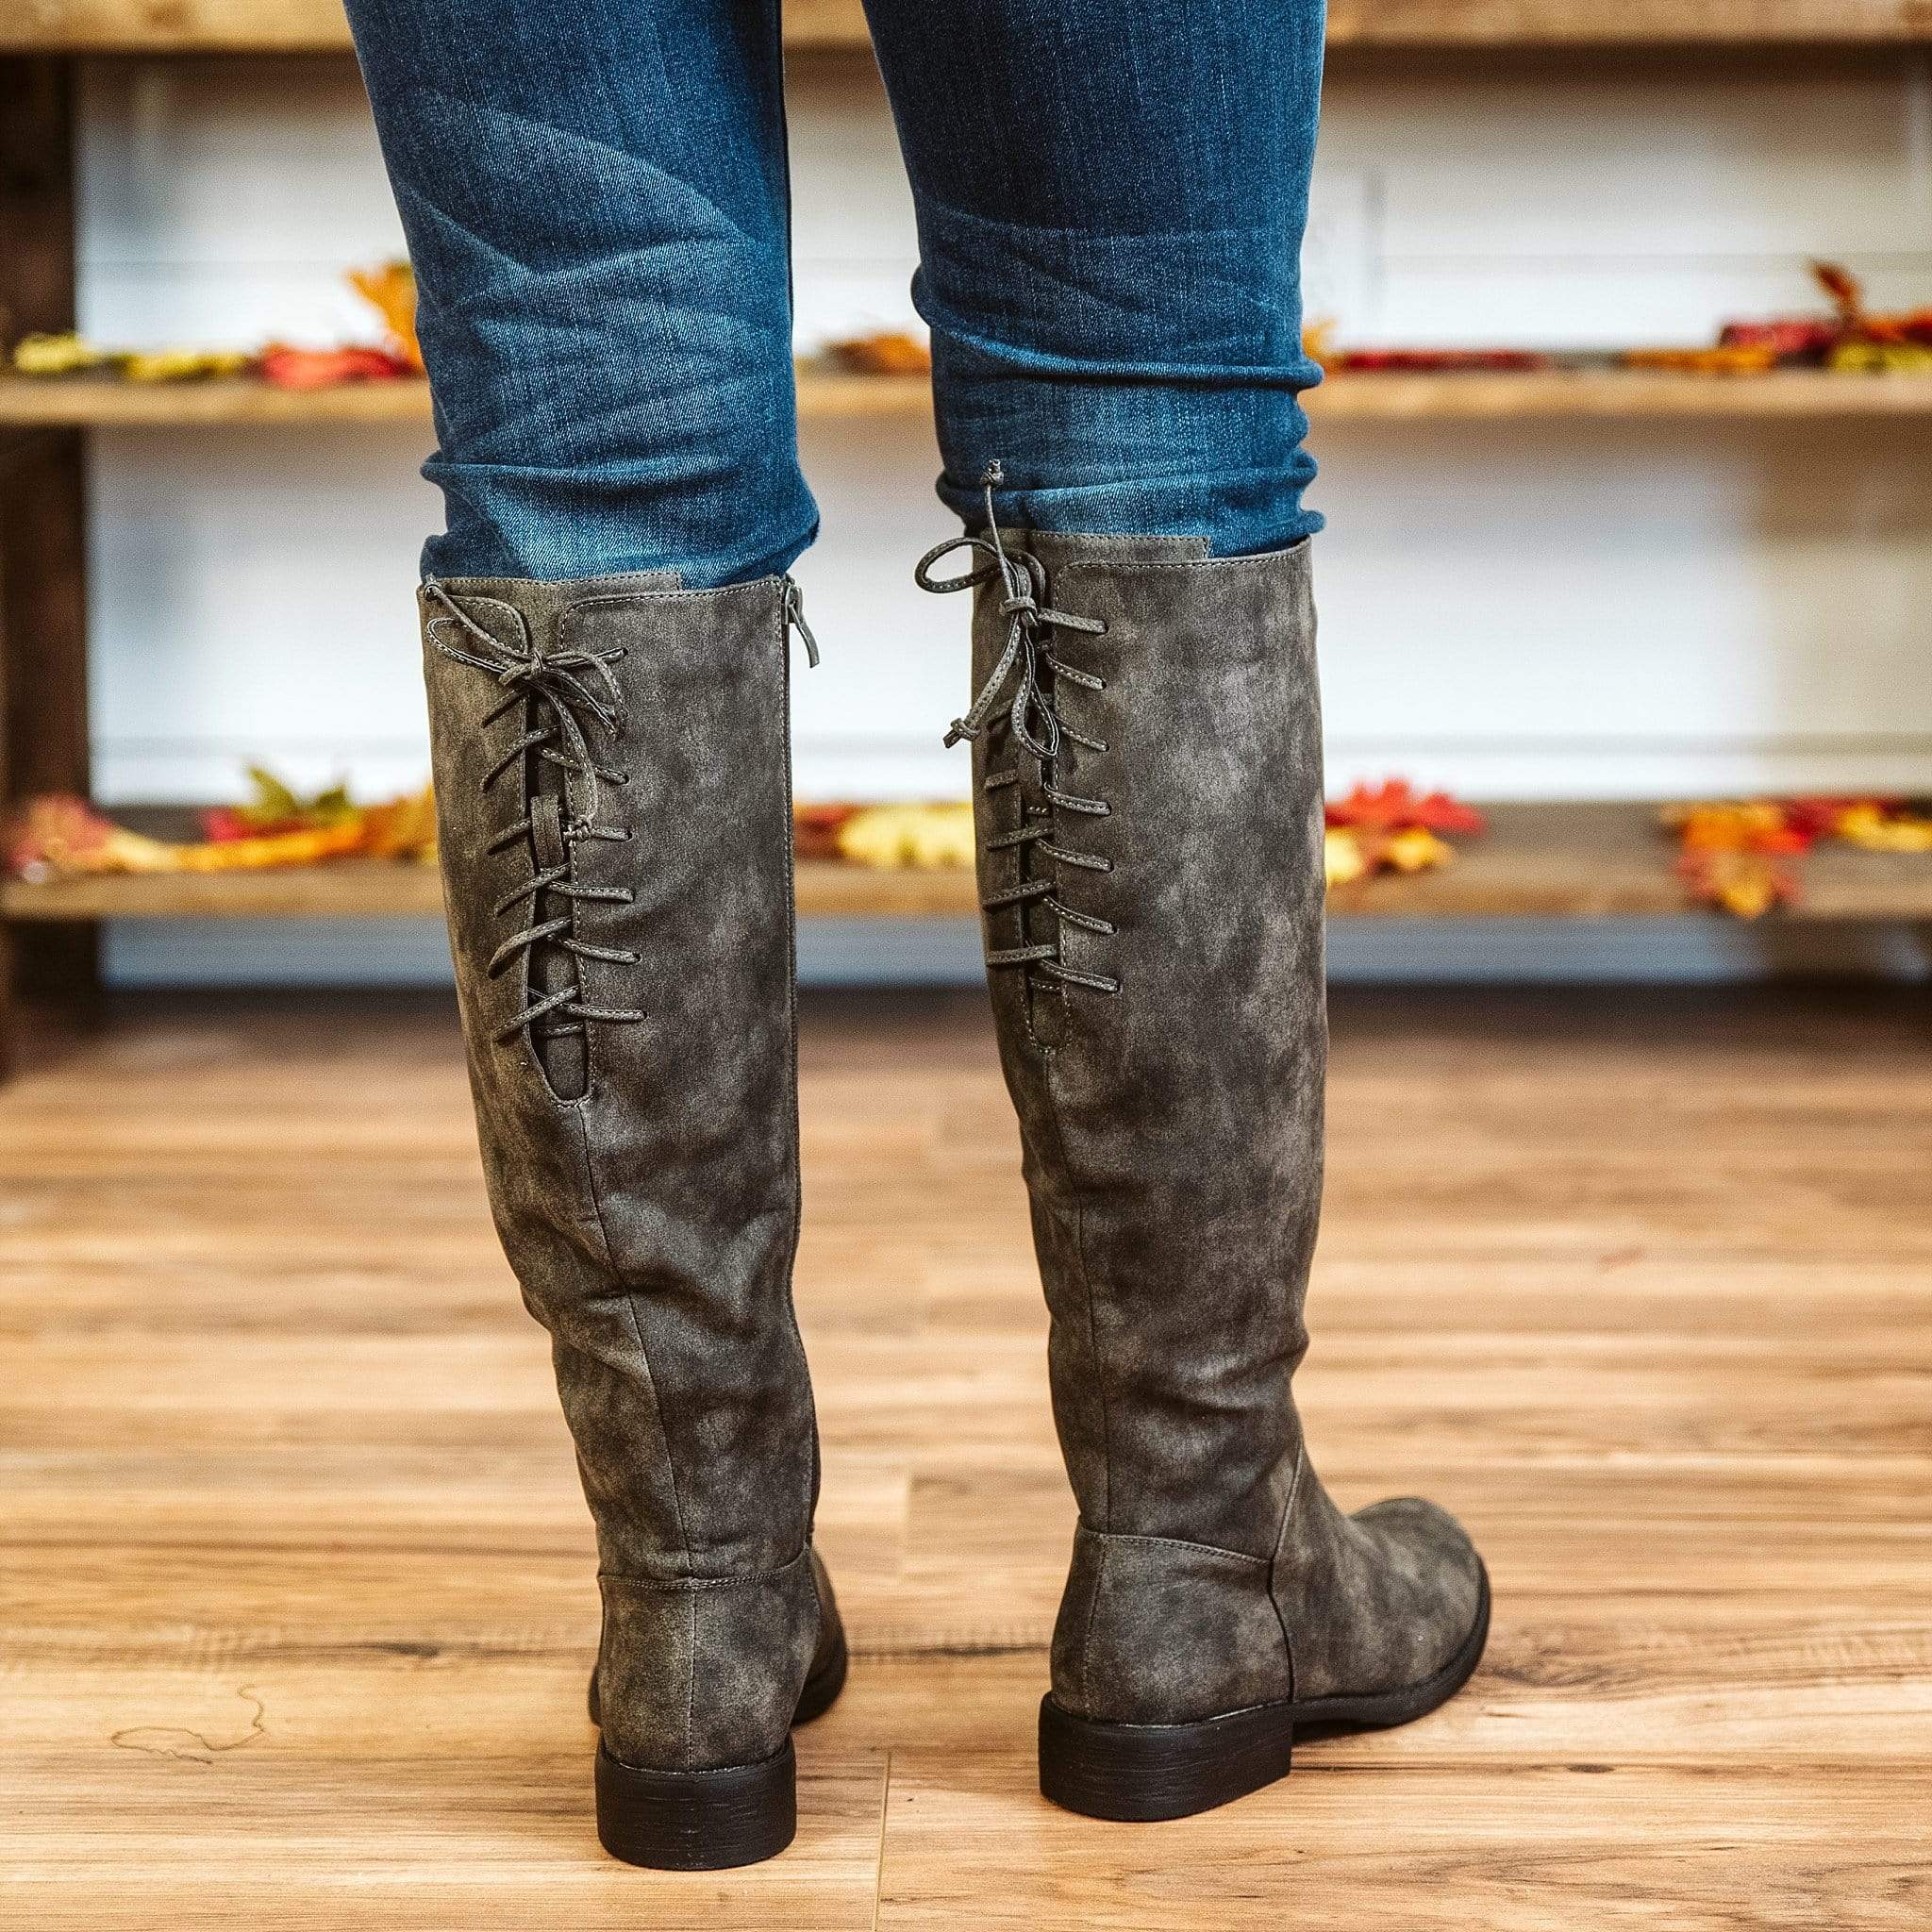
point(1583, 610)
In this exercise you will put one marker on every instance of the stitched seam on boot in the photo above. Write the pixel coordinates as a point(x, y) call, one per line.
point(1092, 1333)
point(788, 842)
point(473, 586)
point(1087, 1288)
point(1298, 548)
point(1294, 1490)
point(1053, 1109)
point(1028, 539)
point(1086, 1642)
point(691, 1702)
point(1177, 1542)
point(695, 1583)
point(1053, 1113)
point(637, 1329)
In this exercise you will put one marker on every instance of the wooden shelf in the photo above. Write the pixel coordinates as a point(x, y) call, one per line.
point(291, 26)
point(95, 403)
point(1476, 24)
point(87, 402)
point(1537, 861)
point(344, 889)
point(91, 402)
point(257, 27)
point(1643, 394)
point(1614, 861)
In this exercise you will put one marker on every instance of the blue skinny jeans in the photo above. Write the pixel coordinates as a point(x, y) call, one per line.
point(1110, 198)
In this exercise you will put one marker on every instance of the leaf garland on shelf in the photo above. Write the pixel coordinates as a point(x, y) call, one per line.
point(58, 836)
point(1739, 855)
point(1392, 828)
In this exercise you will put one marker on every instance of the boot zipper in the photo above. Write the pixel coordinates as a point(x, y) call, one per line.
point(794, 620)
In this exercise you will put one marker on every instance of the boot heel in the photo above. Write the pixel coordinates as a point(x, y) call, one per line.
point(698, 1821)
point(1140, 1771)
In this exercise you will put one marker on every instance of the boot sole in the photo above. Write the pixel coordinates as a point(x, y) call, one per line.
point(709, 1820)
point(1138, 1772)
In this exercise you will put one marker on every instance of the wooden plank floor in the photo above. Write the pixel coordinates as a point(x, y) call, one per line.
point(297, 1590)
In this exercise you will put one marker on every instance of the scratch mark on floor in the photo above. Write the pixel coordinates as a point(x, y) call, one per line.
point(190, 1747)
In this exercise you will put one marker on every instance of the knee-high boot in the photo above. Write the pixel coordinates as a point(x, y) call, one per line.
point(613, 786)
point(1147, 781)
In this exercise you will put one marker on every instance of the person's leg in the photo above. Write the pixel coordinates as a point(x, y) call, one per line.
point(1110, 201)
point(595, 196)
point(595, 201)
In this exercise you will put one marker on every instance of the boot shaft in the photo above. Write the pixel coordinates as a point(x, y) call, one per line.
point(1148, 790)
point(1157, 978)
point(613, 807)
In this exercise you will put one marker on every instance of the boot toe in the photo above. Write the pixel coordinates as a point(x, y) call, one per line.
point(1430, 1563)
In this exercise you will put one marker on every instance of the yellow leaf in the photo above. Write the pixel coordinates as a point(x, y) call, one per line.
point(930, 836)
point(1417, 849)
point(56, 355)
point(182, 365)
point(402, 828)
point(1343, 859)
point(1873, 829)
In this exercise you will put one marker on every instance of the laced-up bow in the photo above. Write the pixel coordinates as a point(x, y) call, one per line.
point(1022, 577)
point(572, 685)
point(1039, 727)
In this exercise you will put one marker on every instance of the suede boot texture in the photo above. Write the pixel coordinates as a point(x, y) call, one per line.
point(1147, 768)
point(612, 791)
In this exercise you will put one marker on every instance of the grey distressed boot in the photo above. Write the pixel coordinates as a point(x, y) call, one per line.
point(613, 803)
point(1147, 768)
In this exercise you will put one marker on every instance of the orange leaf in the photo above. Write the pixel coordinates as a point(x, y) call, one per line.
point(1394, 805)
point(1744, 884)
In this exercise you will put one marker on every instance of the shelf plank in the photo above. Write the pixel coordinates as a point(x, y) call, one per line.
point(97, 403)
point(287, 26)
point(191, 27)
point(344, 889)
point(1537, 861)
point(1449, 23)
point(91, 402)
point(1643, 394)
point(1614, 861)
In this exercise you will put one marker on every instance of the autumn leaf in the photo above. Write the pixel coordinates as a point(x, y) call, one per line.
point(1841, 285)
point(931, 838)
point(1874, 827)
point(390, 289)
point(311, 369)
point(1415, 848)
point(891, 353)
point(1747, 885)
point(815, 828)
point(1754, 824)
point(402, 827)
point(1343, 858)
point(1394, 805)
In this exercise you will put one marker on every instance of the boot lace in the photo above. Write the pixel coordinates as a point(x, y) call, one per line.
point(569, 694)
point(1039, 728)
